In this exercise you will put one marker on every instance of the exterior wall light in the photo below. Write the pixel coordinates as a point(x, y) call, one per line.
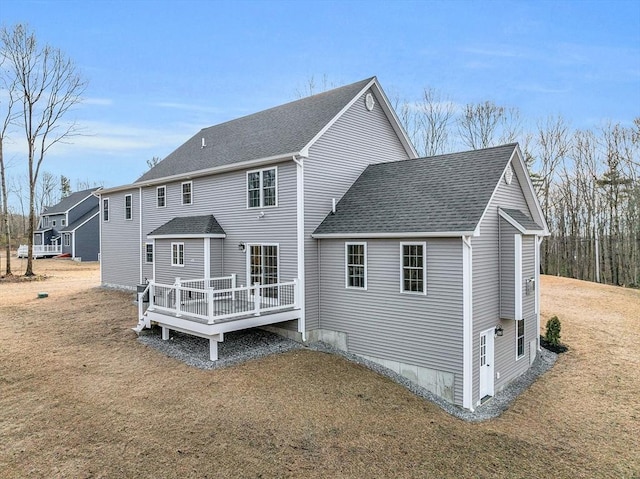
point(242, 246)
point(499, 330)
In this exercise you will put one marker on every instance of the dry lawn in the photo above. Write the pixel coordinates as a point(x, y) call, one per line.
point(80, 397)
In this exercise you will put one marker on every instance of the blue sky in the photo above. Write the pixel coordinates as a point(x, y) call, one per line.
point(159, 71)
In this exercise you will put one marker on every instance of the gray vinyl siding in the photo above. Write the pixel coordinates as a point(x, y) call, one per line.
point(87, 238)
point(507, 269)
point(486, 289)
point(359, 138)
point(381, 321)
point(193, 260)
point(216, 257)
point(120, 242)
point(225, 197)
point(82, 208)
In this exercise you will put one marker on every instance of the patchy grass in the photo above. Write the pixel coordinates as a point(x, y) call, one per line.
point(80, 397)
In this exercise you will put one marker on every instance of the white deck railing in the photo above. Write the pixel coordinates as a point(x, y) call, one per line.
point(40, 250)
point(212, 304)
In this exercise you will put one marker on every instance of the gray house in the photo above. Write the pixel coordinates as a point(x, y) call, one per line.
point(70, 227)
point(316, 220)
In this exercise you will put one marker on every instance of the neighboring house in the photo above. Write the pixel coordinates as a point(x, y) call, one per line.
point(70, 227)
point(314, 219)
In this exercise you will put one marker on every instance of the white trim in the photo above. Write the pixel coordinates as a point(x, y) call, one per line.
point(165, 195)
point(243, 165)
point(424, 267)
point(302, 325)
point(102, 203)
point(386, 108)
point(73, 245)
point(190, 182)
point(207, 257)
point(513, 222)
point(467, 323)
point(262, 205)
point(83, 223)
point(154, 260)
point(178, 244)
point(438, 234)
point(248, 259)
point(66, 236)
point(66, 212)
point(346, 265)
point(187, 236)
point(517, 269)
point(523, 172)
point(130, 196)
point(538, 242)
point(490, 335)
point(141, 259)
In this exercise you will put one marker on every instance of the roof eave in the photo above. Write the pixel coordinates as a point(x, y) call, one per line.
point(187, 236)
point(205, 172)
point(406, 234)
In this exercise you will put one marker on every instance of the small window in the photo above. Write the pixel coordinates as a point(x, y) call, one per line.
point(414, 268)
point(520, 337)
point(45, 221)
point(105, 209)
point(148, 249)
point(67, 239)
point(262, 188)
point(177, 254)
point(356, 265)
point(63, 222)
point(128, 208)
point(53, 223)
point(187, 188)
point(161, 196)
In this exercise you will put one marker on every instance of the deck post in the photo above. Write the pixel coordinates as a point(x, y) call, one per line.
point(165, 333)
point(178, 296)
point(295, 292)
point(210, 305)
point(256, 298)
point(234, 277)
point(213, 349)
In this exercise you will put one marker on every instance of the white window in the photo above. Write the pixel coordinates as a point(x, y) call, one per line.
point(45, 221)
point(177, 254)
point(128, 207)
point(63, 222)
point(262, 188)
point(187, 197)
point(53, 223)
point(520, 338)
point(148, 250)
point(161, 196)
point(105, 209)
point(413, 268)
point(356, 265)
point(67, 239)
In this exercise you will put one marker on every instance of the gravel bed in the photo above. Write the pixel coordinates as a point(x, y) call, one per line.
point(241, 346)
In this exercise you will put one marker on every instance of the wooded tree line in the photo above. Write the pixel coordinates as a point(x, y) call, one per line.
point(586, 180)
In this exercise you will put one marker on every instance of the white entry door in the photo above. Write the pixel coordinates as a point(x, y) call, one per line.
point(262, 267)
point(486, 363)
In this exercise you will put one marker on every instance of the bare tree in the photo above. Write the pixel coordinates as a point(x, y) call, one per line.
point(46, 192)
point(478, 125)
point(436, 114)
point(153, 161)
point(8, 115)
point(313, 86)
point(49, 87)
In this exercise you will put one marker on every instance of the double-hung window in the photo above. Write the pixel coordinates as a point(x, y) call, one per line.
point(187, 196)
point(177, 254)
point(161, 196)
point(148, 250)
point(63, 222)
point(128, 207)
point(356, 265)
point(262, 188)
point(520, 338)
point(67, 239)
point(105, 209)
point(413, 268)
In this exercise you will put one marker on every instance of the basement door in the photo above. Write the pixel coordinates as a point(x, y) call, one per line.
point(486, 364)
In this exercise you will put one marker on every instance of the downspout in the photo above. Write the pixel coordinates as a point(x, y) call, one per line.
point(537, 285)
point(302, 327)
point(467, 324)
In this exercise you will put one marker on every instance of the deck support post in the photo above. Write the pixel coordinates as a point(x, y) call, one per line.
point(256, 298)
point(213, 349)
point(165, 333)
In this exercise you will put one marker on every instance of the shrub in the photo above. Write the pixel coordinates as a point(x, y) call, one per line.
point(552, 335)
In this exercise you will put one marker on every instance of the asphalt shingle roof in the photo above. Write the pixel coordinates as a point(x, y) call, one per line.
point(80, 220)
point(277, 131)
point(68, 202)
point(438, 194)
point(523, 219)
point(189, 225)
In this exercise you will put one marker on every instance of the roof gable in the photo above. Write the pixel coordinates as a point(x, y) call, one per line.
point(68, 202)
point(521, 221)
point(443, 195)
point(189, 227)
point(277, 132)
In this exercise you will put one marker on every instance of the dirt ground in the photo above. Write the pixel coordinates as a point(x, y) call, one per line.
point(80, 398)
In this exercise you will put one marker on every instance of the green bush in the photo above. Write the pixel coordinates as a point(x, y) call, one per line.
point(552, 335)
